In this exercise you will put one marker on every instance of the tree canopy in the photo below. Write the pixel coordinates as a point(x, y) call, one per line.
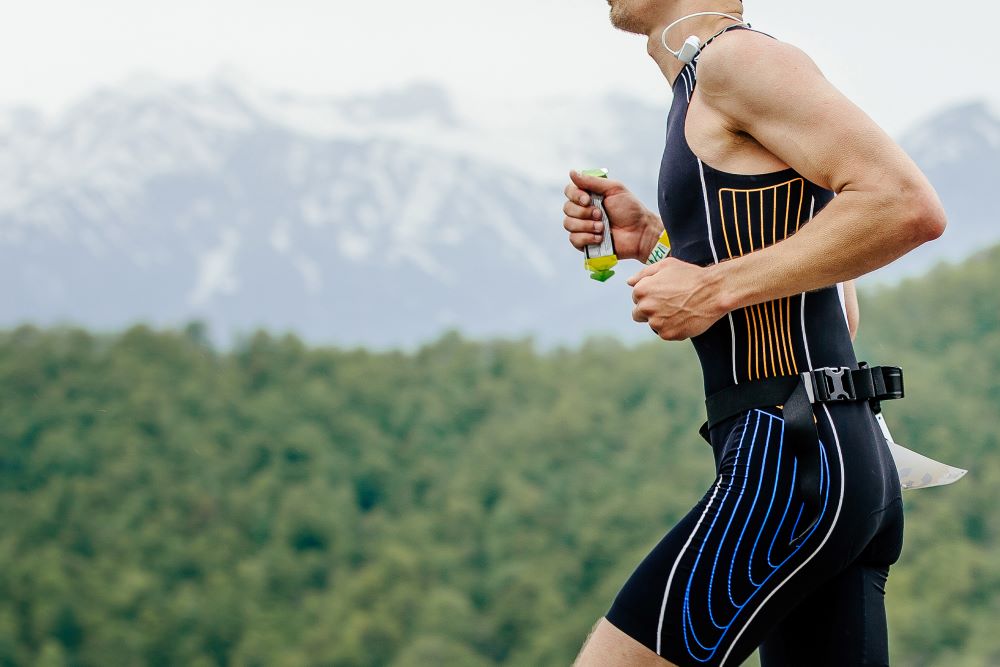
point(469, 503)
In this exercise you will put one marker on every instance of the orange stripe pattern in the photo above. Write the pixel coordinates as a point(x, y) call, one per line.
point(751, 220)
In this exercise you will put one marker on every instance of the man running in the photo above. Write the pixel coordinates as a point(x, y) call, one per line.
point(758, 143)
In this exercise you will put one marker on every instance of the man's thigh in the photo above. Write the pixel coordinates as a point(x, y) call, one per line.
point(843, 622)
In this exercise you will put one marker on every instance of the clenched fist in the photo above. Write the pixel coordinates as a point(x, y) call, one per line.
point(678, 300)
point(635, 228)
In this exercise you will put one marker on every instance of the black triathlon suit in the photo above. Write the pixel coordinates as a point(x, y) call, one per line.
point(728, 578)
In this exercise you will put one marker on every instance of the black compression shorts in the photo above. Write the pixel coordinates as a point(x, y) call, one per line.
point(728, 578)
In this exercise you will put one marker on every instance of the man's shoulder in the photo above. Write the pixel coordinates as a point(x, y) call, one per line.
point(743, 60)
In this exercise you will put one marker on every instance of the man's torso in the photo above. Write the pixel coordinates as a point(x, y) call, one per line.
point(713, 214)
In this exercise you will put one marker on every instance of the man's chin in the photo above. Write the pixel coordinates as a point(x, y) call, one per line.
point(625, 23)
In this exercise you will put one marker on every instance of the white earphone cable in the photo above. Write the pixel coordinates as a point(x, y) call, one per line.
point(677, 54)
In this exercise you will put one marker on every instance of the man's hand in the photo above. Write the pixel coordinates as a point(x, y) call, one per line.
point(635, 227)
point(677, 299)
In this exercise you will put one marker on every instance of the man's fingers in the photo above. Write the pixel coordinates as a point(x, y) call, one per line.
point(576, 225)
point(575, 194)
point(645, 272)
point(638, 315)
point(639, 276)
point(593, 183)
point(586, 213)
point(580, 241)
point(650, 269)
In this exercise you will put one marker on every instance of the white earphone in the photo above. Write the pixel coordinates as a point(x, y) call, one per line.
point(692, 45)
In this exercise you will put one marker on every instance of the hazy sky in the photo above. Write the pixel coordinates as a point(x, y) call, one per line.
point(897, 66)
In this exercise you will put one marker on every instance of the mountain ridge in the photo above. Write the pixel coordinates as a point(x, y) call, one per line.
point(376, 218)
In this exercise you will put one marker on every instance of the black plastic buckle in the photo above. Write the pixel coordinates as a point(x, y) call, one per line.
point(829, 384)
point(893, 378)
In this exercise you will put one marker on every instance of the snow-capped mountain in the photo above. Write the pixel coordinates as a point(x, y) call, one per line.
point(372, 220)
point(959, 150)
point(378, 219)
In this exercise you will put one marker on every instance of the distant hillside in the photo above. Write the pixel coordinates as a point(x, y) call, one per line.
point(944, 330)
point(467, 504)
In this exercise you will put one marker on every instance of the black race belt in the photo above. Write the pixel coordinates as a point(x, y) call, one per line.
point(798, 394)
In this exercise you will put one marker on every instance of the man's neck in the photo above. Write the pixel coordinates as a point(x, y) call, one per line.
point(702, 26)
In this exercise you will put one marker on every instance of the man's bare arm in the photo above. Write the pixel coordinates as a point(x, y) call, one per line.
point(885, 206)
point(851, 306)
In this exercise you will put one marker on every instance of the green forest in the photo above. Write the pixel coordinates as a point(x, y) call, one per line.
point(470, 503)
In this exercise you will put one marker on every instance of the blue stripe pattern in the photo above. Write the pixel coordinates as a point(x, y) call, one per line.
point(758, 431)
